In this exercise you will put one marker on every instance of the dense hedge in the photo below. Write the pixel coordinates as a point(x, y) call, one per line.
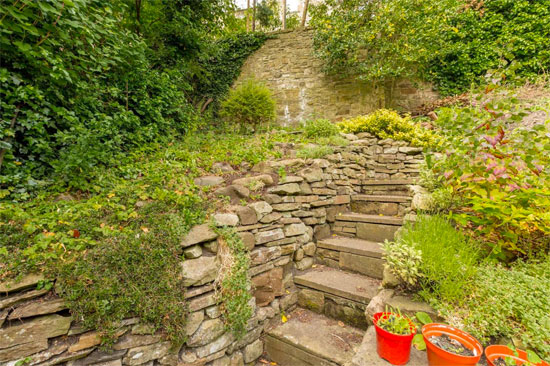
point(76, 93)
point(453, 43)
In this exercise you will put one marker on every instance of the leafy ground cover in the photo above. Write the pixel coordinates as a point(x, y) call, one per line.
point(115, 249)
point(491, 301)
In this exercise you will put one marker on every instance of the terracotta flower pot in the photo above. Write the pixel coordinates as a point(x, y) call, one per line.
point(498, 351)
point(394, 348)
point(440, 357)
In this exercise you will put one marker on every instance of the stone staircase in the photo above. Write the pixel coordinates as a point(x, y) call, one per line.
point(328, 326)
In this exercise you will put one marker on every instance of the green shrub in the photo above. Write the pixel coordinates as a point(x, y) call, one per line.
point(320, 128)
point(449, 258)
point(385, 124)
point(499, 172)
point(250, 105)
point(404, 262)
point(508, 302)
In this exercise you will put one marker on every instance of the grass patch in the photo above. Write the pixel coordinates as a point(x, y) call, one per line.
point(448, 259)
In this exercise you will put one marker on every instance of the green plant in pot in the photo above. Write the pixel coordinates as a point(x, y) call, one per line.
point(394, 335)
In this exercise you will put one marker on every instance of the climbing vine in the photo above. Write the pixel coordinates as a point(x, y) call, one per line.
point(233, 282)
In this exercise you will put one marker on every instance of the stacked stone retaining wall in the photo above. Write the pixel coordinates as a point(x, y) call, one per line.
point(287, 65)
point(279, 223)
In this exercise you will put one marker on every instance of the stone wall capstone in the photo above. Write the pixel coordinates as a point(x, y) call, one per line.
point(302, 90)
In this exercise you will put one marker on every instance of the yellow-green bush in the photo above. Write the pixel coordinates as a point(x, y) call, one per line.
point(388, 124)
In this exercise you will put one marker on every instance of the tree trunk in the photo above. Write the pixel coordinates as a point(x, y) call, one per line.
point(253, 15)
point(247, 13)
point(304, 13)
point(284, 14)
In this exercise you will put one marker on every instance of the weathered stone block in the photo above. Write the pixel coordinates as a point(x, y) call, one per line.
point(375, 232)
point(268, 285)
point(199, 234)
point(310, 299)
point(196, 272)
point(372, 267)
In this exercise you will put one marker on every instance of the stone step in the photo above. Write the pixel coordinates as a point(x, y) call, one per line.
point(380, 204)
point(371, 219)
point(387, 182)
point(375, 228)
point(352, 245)
point(380, 198)
point(310, 339)
point(351, 254)
point(346, 285)
point(337, 294)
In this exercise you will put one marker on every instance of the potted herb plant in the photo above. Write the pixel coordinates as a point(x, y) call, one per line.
point(499, 355)
point(447, 345)
point(394, 334)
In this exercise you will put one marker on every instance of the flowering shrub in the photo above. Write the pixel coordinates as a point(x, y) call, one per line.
point(388, 124)
point(498, 171)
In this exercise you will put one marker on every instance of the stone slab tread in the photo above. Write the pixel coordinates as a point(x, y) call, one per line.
point(312, 339)
point(352, 245)
point(387, 182)
point(380, 198)
point(373, 219)
point(336, 282)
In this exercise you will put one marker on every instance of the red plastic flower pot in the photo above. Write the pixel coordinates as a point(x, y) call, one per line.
point(394, 348)
point(498, 351)
point(440, 357)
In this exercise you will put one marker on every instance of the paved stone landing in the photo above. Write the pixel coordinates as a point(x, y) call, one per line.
point(310, 339)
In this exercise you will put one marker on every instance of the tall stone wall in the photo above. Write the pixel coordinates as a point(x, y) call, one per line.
point(302, 90)
point(279, 218)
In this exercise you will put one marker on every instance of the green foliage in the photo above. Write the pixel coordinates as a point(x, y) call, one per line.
point(223, 65)
point(233, 282)
point(131, 274)
point(442, 274)
point(404, 261)
point(395, 322)
point(497, 170)
point(487, 35)
point(380, 40)
point(320, 127)
point(314, 152)
point(509, 302)
point(384, 124)
point(267, 14)
point(250, 104)
point(77, 92)
point(450, 42)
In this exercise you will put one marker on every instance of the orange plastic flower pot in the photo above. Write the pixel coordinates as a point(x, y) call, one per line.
point(497, 351)
point(394, 348)
point(440, 357)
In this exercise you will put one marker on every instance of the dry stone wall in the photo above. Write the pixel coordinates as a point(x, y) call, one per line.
point(279, 223)
point(302, 90)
